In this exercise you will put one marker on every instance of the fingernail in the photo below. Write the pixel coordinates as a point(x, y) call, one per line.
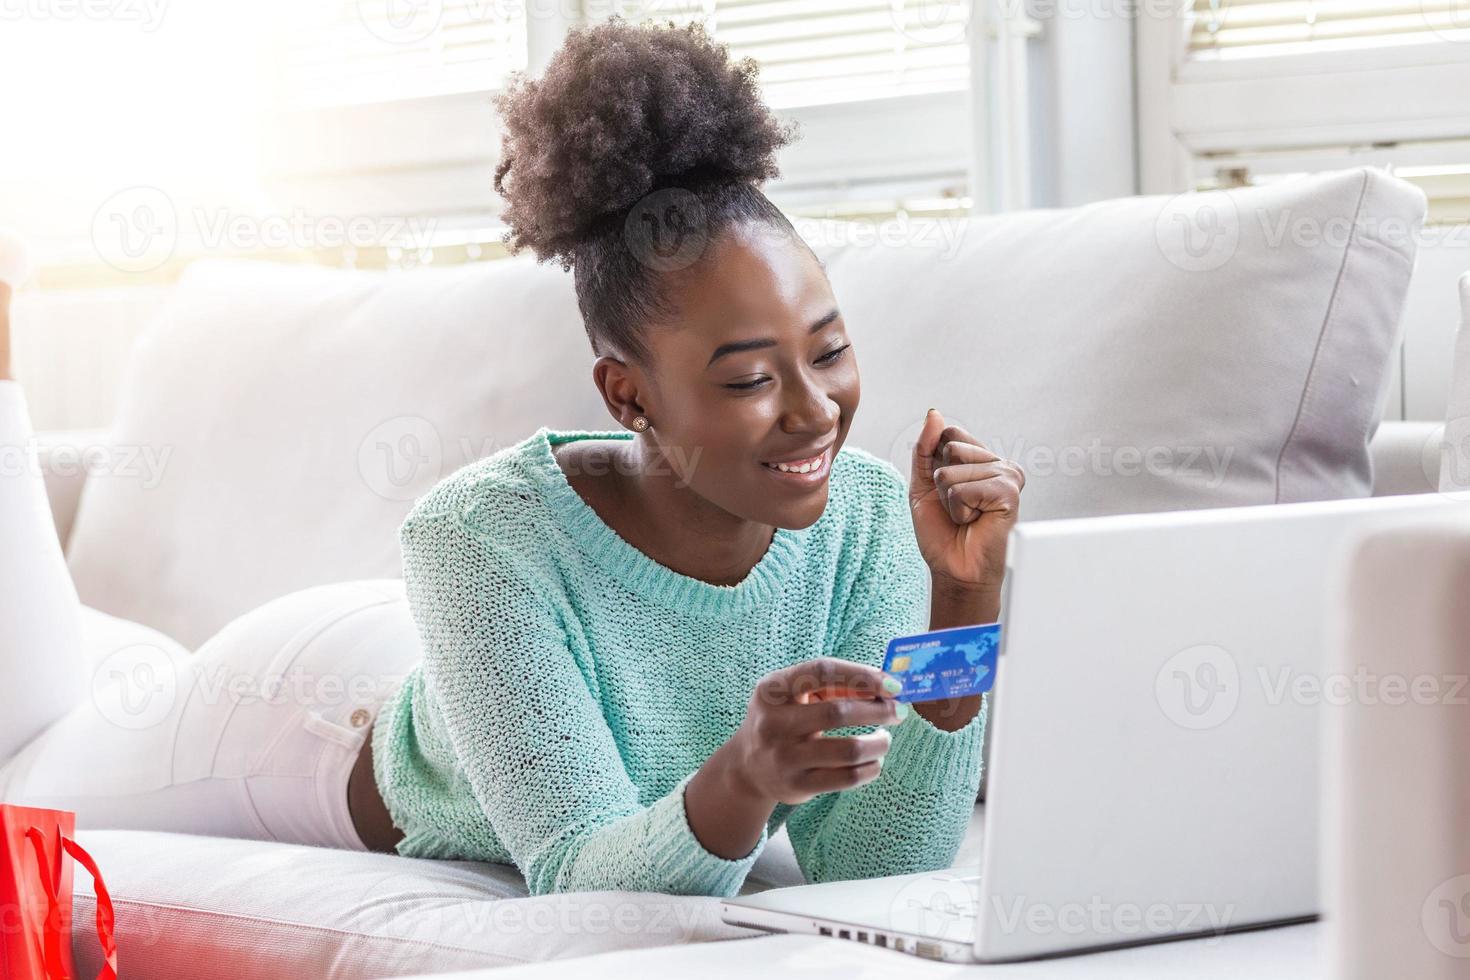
point(929, 412)
point(902, 710)
point(892, 685)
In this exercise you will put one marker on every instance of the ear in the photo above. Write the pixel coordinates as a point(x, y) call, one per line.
point(622, 387)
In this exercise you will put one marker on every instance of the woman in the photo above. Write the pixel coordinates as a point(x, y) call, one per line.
point(643, 650)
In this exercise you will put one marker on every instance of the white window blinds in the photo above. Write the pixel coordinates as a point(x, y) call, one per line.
point(1254, 28)
point(816, 52)
point(346, 52)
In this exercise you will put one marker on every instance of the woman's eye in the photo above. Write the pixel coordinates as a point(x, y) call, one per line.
point(833, 355)
point(748, 385)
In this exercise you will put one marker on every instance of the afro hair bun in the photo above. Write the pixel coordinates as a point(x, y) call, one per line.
point(620, 112)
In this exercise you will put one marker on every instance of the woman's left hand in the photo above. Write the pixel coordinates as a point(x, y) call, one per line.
point(964, 500)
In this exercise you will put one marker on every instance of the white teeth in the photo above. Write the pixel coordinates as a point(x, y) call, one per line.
point(807, 467)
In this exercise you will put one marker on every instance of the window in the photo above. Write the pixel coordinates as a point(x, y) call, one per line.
point(344, 52)
point(818, 52)
point(383, 106)
point(1236, 91)
point(1260, 28)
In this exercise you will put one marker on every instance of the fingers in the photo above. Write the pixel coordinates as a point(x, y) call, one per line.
point(822, 678)
point(970, 489)
point(921, 475)
point(843, 752)
point(799, 720)
point(814, 782)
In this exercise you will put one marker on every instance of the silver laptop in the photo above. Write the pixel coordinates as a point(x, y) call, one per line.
point(1153, 764)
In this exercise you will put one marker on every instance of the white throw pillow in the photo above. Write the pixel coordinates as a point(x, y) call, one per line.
point(1454, 460)
point(1147, 354)
point(283, 419)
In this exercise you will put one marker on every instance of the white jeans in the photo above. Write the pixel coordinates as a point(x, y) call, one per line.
point(254, 735)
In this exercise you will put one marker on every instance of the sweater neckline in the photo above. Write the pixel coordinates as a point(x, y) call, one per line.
point(636, 571)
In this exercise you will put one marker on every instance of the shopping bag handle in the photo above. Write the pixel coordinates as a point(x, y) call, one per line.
point(105, 919)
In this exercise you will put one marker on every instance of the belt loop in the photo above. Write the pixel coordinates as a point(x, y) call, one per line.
point(317, 725)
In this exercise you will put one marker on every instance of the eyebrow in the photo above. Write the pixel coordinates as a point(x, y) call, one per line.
point(742, 345)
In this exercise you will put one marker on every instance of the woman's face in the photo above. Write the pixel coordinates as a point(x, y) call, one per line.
point(756, 370)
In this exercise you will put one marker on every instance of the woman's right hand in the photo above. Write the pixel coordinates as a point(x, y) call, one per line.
point(780, 754)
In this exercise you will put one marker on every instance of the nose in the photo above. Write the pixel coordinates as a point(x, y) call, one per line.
point(808, 407)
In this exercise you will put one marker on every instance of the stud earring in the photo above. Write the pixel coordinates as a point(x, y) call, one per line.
point(640, 423)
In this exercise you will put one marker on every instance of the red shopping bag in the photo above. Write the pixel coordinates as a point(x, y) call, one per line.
point(35, 896)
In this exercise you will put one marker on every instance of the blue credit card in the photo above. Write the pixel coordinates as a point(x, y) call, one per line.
point(952, 663)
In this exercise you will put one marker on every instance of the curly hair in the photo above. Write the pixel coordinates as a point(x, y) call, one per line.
point(632, 133)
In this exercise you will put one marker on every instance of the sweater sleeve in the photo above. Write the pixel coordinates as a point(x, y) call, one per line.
point(522, 718)
point(913, 817)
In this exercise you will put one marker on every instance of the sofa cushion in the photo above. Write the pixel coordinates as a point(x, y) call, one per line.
point(196, 908)
point(297, 412)
point(1152, 353)
point(1454, 462)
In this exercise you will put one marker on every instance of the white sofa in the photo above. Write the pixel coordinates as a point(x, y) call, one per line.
point(295, 413)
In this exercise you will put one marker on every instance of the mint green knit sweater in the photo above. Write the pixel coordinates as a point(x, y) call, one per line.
point(571, 685)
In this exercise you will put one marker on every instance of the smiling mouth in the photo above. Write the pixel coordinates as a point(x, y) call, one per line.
point(802, 471)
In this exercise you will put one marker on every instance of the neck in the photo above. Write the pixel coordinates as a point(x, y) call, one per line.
point(676, 526)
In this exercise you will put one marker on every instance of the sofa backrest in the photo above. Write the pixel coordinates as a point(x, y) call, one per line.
point(1143, 354)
